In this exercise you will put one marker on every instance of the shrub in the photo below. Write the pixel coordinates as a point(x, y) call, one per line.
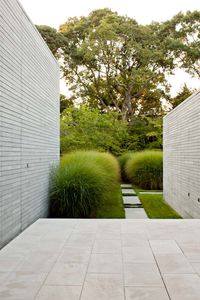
point(87, 128)
point(122, 162)
point(145, 169)
point(81, 183)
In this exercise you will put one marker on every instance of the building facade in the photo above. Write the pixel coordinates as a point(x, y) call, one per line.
point(181, 142)
point(29, 121)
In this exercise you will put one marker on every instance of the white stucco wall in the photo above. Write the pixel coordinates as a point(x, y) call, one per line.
point(29, 120)
point(181, 139)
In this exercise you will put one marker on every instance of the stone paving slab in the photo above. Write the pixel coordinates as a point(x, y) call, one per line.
point(128, 192)
point(95, 259)
point(135, 213)
point(126, 186)
point(131, 200)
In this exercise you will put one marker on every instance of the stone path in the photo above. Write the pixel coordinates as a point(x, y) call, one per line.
point(73, 259)
point(130, 199)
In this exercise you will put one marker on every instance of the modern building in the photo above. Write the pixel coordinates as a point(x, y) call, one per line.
point(29, 121)
point(182, 157)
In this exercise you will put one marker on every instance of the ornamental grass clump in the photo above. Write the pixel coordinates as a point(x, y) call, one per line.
point(145, 169)
point(80, 184)
point(122, 162)
point(109, 163)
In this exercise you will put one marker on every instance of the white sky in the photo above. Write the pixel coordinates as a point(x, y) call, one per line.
point(56, 12)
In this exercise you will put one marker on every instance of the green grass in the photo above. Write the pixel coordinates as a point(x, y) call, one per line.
point(139, 189)
point(112, 206)
point(156, 207)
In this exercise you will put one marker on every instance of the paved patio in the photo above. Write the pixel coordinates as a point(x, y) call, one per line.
point(103, 260)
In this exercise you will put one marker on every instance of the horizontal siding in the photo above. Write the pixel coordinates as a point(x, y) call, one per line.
point(29, 121)
point(182, 157)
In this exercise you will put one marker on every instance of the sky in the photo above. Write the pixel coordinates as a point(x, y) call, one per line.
point(56, 12)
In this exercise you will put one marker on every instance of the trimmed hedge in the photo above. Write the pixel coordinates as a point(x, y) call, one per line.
point(145, 169)
point(81, 182)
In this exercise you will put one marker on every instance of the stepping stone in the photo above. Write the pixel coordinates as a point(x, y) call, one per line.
point(128, 192)
point(151, 193)
point(131, 200)
point(135, 213)
point(126, 185)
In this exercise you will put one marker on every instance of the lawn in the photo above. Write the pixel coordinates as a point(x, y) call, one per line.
point(138, 189)
point(156, 207)
point(112, 207)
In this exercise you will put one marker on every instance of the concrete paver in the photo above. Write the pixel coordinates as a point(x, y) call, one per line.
point(103, 287)
point(103, 259)
point(131, 200)
point(146, 293)
point(128, 192)
point(183, 286)
point(174, 263)
point(126, 185)
point(142, 274)
point(70, 273)
point(135, 213)
point(52, 292)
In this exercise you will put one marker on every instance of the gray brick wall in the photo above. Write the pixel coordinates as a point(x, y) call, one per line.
point(182, 157)
point(29, 121)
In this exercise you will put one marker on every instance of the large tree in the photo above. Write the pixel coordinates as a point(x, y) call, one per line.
point(113, 63)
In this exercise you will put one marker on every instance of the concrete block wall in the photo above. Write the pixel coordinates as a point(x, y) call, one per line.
point(181, 138)
point(29, 121)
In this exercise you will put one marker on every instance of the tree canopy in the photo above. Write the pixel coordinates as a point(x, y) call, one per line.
point(183, 94)
point(117, 72)
point(53, 38)
point(182, 34)
point(113, 63)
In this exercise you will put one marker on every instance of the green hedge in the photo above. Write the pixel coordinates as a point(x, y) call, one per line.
point(145, 169)
point(81, 183)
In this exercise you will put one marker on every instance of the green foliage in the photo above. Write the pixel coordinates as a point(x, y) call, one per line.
point(183, 40)
point(65, 103)
point(88, 129)
point(82, 183)
point(156, 207)
point(184, 93)
point(122, 162)
point(145, 133)
point(113, 63)
point(145, 169)
point(52, 37)
point(112, 206)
